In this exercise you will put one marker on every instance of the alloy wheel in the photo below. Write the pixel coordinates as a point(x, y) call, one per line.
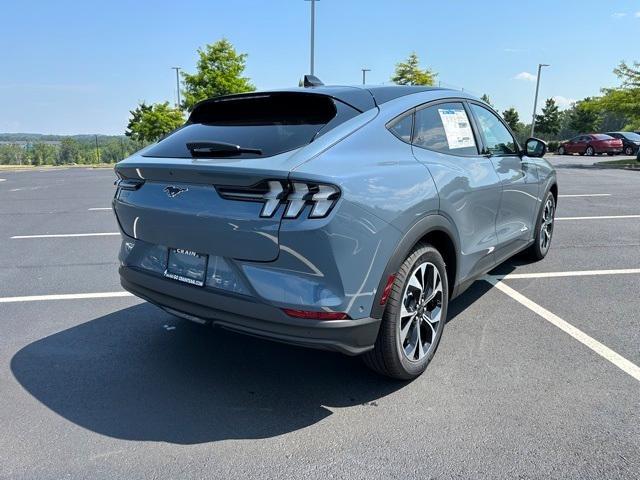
point(590, 151)
point(546, 228)
point(420, 312)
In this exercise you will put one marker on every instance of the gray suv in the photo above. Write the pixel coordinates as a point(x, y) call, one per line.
point(339, 218)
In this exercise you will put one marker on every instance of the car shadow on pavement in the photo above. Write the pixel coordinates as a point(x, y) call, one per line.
point(141, 374)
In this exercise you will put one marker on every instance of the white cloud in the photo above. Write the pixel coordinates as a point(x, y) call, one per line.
point(637, 15)
point(618, 15)
point(564, 102)
point(525, 76)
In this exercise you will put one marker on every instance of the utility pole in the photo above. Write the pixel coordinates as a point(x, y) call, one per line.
point(177, 69)
point(97, 150)
point(364, 74)
point(313, 34)
point(535, 100)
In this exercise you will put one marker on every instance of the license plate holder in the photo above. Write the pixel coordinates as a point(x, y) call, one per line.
point(186, 266)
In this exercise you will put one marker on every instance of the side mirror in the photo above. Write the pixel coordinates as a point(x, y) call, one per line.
point(534, 147)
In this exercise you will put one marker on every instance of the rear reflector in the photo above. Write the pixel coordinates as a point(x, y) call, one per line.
point(314, 315)
point(387, 289)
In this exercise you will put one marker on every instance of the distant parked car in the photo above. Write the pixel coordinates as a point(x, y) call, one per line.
point(630, 141)
point(591, 144)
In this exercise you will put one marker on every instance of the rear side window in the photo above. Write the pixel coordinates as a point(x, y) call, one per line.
point(266, 124)
point(445, 128)
point(402, 128)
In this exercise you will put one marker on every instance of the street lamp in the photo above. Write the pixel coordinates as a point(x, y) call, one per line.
point(535, 101)
point(177, 69)
point(364, 74)
point(313, 31)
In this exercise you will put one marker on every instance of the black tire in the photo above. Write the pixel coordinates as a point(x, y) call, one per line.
point(590, 151)
point(628, 151)
point(561, 151)
point(537, 251)
point(388, 355)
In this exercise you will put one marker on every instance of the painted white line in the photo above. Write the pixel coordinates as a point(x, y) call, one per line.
point(67, 235)
point(599, 348)
point(97, 209)
point(574, 195)
point(575, 273)
point(601, 217)
point(71, 296)
point(3, 179)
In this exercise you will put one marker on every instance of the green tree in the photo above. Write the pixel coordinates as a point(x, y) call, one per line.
point(485, 98)
point(69, 152)
point(549, 121)
point(153, 122)
point(219, 72)
point(410, 73)
point(512, 118)
point(624, 100)
point(136, 116)
point(584, 117)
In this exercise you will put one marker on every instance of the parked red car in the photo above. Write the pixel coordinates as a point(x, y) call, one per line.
point(591, 144)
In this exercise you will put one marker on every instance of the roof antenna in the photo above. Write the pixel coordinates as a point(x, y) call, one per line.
point(312, 81)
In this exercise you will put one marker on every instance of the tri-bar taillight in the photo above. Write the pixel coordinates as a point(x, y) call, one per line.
point(295, 195)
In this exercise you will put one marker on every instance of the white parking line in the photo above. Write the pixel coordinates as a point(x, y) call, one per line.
point(575, 273)
point(601, 217)
point(96, 209)
point(3, 179)
point(573, 195)
point(72, 296)
point(602, 350)
point(66, 235)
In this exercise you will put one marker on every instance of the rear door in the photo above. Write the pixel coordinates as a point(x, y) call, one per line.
point(468, 186)
point(518, 177)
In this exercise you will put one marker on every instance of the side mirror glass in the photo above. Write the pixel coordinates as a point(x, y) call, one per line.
point(534, 147)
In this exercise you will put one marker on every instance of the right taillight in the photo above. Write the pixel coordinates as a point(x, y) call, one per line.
point(295, 196)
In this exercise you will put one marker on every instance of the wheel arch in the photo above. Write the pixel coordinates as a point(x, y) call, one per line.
point(434, 229)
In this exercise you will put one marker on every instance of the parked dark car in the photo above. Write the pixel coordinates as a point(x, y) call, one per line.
point(591, 144)
point(630, 141)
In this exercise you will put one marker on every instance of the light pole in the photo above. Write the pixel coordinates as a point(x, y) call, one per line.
point(364, 74)
point(313, 33)
point(535, 101)
point(177, 69)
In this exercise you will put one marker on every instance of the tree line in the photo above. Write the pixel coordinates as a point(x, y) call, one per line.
point(77, 150)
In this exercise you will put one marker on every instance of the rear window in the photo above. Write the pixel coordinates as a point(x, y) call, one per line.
point(602, 136)
point(271, 123)
point(634, 137)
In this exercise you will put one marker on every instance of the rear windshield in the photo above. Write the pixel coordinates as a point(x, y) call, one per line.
point(602, 136)
point(271, 123)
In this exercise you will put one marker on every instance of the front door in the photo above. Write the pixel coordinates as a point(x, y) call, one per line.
point(519, 180)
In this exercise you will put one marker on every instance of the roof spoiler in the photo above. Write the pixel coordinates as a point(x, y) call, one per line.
point(312, 81)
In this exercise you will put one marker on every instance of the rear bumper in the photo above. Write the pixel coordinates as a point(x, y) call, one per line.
point(609, 150)
point(249, 315)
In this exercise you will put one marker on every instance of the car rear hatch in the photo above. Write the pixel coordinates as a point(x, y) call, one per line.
point(216, 185)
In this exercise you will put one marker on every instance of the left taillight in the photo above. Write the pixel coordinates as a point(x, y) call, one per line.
point(295, 196)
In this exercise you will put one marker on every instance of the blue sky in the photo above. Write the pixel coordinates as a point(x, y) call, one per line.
point(80, 66)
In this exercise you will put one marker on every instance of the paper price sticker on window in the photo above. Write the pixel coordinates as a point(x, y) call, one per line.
point(457, 128)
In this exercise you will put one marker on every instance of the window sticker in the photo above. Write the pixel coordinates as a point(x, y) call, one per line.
point(457, 128)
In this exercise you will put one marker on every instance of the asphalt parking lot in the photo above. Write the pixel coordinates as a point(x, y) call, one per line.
point(536, 377)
